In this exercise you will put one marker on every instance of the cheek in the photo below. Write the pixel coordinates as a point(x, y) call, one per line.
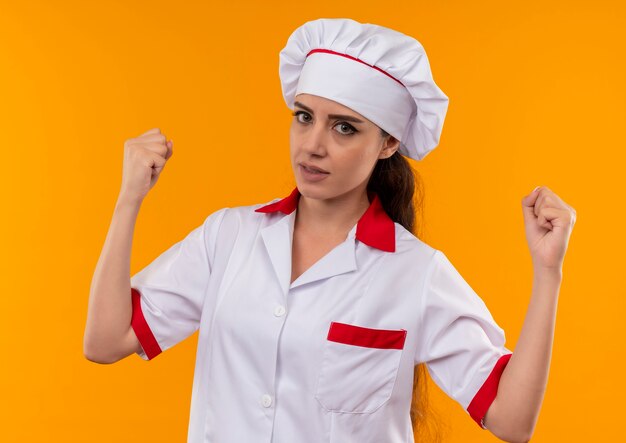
point(366, 157)
point(295, 134)
point(292, 141)
point(356, 164)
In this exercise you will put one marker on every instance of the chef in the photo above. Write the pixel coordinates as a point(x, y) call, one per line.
point(314, 308)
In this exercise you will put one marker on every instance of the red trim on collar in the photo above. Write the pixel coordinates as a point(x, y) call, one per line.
point(375, 228)
point(286, 205)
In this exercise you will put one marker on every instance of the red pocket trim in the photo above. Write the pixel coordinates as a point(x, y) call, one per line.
point(366, 337)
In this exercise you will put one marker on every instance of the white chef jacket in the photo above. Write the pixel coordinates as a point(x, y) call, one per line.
point(329, 357)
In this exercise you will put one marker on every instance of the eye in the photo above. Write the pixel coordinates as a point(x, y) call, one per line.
point(298, 114)
point(349, 127)
point(344, 125)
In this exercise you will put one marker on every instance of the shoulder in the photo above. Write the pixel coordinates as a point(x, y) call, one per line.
point(233, 217)
point(407, 242)
point(412, 250)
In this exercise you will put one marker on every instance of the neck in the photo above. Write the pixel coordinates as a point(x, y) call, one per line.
point(332, 215)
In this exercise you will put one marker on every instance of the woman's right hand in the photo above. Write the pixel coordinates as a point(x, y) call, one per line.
point(144, 159)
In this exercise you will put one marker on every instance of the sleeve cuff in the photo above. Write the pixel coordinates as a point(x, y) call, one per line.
point(143, 332)
point(487, 393)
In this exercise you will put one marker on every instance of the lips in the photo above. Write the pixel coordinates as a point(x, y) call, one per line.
point(314, 168)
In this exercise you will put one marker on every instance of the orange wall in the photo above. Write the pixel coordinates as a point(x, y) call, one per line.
point(537, 97)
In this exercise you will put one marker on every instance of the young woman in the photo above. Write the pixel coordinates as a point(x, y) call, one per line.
point(314, 310)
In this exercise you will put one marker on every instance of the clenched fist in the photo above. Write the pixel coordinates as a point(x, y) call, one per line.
point(144, 159)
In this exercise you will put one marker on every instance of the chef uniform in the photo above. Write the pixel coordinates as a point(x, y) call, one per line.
point(330, 356)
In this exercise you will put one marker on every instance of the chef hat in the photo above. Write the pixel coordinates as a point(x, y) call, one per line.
point(380, 73)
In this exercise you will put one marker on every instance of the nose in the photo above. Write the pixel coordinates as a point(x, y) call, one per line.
point(314, 139)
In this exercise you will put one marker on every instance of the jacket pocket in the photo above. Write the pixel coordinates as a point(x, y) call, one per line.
point(358, 368)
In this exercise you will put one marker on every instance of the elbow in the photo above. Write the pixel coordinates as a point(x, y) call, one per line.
point(520, 437)
point(95, 358)
point(525, 439)
point(94, 353)
point(509, 425)
point(511, 433)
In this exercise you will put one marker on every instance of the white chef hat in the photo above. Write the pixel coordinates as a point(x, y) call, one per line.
point(380, 73)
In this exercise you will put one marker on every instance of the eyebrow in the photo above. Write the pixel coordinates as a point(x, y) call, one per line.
point(331, 116)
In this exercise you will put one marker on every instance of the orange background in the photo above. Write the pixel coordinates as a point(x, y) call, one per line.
point(537, 97)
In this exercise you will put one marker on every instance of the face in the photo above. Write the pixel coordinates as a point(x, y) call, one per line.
point(327, 135)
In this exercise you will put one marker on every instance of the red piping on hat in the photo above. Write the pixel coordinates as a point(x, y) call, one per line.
point(328, 51)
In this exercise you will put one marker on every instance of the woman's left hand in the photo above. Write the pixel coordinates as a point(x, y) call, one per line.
point(548, 222)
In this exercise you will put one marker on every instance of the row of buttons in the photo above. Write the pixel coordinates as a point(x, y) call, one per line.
point(266, 399)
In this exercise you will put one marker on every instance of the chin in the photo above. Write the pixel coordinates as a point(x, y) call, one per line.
point(314, 192)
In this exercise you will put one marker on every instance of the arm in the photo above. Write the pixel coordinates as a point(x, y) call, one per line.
point(548, 222)
point(108, 334)
point(514, 412)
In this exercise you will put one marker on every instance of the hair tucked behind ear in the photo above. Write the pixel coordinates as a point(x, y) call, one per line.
point(400, 190)
point(401, 193)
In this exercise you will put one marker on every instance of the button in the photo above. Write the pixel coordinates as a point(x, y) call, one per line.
point(279, 311)
point(266, 400)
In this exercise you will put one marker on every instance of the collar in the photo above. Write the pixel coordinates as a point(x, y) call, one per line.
point(375, 228)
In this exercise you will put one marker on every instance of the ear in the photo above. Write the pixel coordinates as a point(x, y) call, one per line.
point(389, 147)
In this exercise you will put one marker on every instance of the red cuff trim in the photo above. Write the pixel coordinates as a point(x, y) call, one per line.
point(487, 393)
point(142, 330)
